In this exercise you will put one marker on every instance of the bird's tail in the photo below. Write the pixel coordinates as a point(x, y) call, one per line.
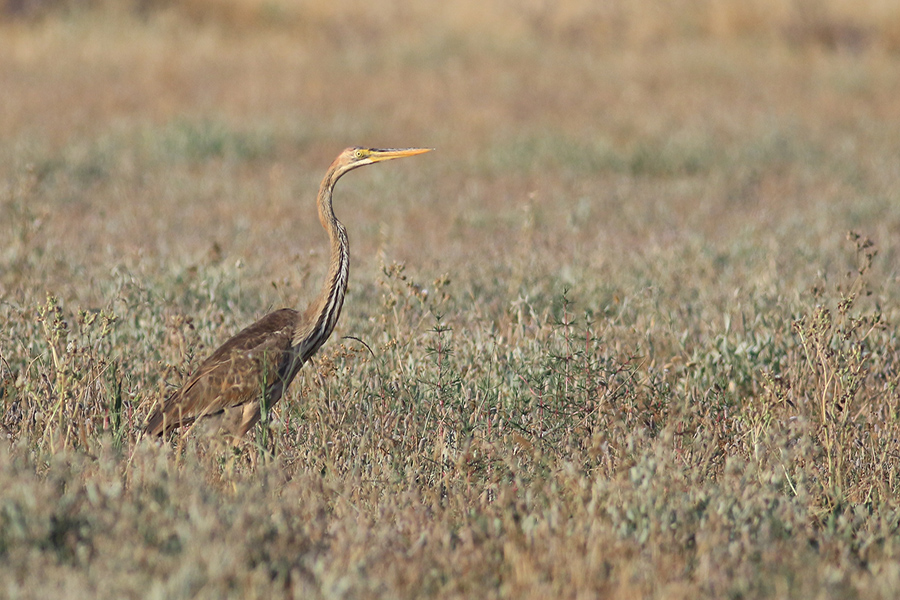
point(164, 420)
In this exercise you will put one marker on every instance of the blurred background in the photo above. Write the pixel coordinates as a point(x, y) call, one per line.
point(152, 126)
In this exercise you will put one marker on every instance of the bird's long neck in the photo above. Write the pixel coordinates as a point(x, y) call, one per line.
point(322, 314)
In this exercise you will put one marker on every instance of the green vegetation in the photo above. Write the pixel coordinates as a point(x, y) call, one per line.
point(629, 332)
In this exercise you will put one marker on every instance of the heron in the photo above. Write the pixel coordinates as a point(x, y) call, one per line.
point(250, 372)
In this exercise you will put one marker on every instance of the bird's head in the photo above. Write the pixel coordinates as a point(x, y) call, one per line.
point(352, 158)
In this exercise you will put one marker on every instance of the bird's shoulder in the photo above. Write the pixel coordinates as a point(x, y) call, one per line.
point(232, 373)
point(274, 329)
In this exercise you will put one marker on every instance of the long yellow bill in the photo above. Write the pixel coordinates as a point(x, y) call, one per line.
point(387, 154)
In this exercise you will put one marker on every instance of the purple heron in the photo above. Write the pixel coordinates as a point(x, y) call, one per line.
point(251, 371)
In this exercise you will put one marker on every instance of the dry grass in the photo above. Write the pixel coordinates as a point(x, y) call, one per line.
point(621, 343)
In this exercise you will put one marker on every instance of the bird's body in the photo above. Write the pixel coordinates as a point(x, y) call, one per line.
point(253, 369)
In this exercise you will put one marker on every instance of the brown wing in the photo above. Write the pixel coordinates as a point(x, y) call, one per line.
point(255, 363)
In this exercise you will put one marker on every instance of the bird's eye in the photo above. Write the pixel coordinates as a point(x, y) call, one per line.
point(358, 153)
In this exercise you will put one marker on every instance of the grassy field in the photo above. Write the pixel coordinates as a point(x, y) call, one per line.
point(629, 332)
